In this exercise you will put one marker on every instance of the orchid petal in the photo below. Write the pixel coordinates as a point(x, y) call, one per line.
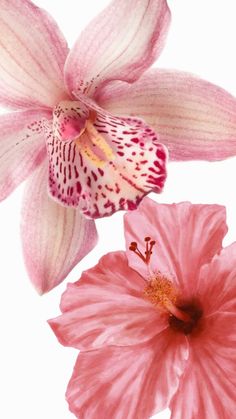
point(32, 56)
point(54, 238)
point(179, 252)
point(119, 44)
point(125, 317)
point(127, 382)
point(194, 119)
point(111, 164)
point(22, 147)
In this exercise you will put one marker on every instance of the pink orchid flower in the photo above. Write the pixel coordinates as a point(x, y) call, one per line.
point(89, 159)
point(156, 324)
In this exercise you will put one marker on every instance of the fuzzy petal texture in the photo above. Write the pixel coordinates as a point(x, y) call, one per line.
point(208, 386)
point(109, 167)
point(187, 236)
point(130, 382)
point(32, 56)
point(22, 147)
point(54, 238)
point(125, 318)
point(194, 118)
point(119, 44)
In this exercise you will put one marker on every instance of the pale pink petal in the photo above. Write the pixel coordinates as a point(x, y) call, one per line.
point(132, 165)
point(193, 118)
point(119, 44)
point(217, 282)
point(208, 386)
point(54, 238)
point(32, 56)
point(22, 147)
point(127, 382)
point(100, 310)
point(186, 235)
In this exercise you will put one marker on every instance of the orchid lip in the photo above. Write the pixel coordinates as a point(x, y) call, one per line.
point(107, 161)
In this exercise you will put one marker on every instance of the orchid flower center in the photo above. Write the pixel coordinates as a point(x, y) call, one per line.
point(73, 121)
point(183, 316)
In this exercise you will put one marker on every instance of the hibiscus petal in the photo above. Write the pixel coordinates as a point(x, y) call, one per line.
point(131, 283)
point(186, 235)
point(212, 367)
point(108, 168)
point(217, 282)
point(194, 119)
point(54, 238)
point(106, 307)
point(22, 147)
point(32, 56)
point(119, 44)
point(128, 382)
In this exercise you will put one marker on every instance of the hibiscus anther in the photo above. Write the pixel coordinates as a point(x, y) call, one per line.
point(146, 256)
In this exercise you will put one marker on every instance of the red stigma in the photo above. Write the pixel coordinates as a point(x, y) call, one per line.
point(146, 255)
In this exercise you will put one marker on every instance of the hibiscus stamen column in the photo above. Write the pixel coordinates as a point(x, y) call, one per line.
point(160, 290)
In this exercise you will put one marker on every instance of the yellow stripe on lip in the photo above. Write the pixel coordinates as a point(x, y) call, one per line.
point(89, 137)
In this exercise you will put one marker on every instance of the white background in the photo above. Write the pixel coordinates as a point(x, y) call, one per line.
point(34, 368)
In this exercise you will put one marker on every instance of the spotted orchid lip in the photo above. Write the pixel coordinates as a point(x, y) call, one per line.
point(101, 163)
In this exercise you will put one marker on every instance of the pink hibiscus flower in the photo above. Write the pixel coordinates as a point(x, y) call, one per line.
point(156, 324)
point(90, 160)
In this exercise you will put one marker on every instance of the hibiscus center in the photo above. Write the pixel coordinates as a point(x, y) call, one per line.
point(194, 311)
point(182, 317)
point(161, 292)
